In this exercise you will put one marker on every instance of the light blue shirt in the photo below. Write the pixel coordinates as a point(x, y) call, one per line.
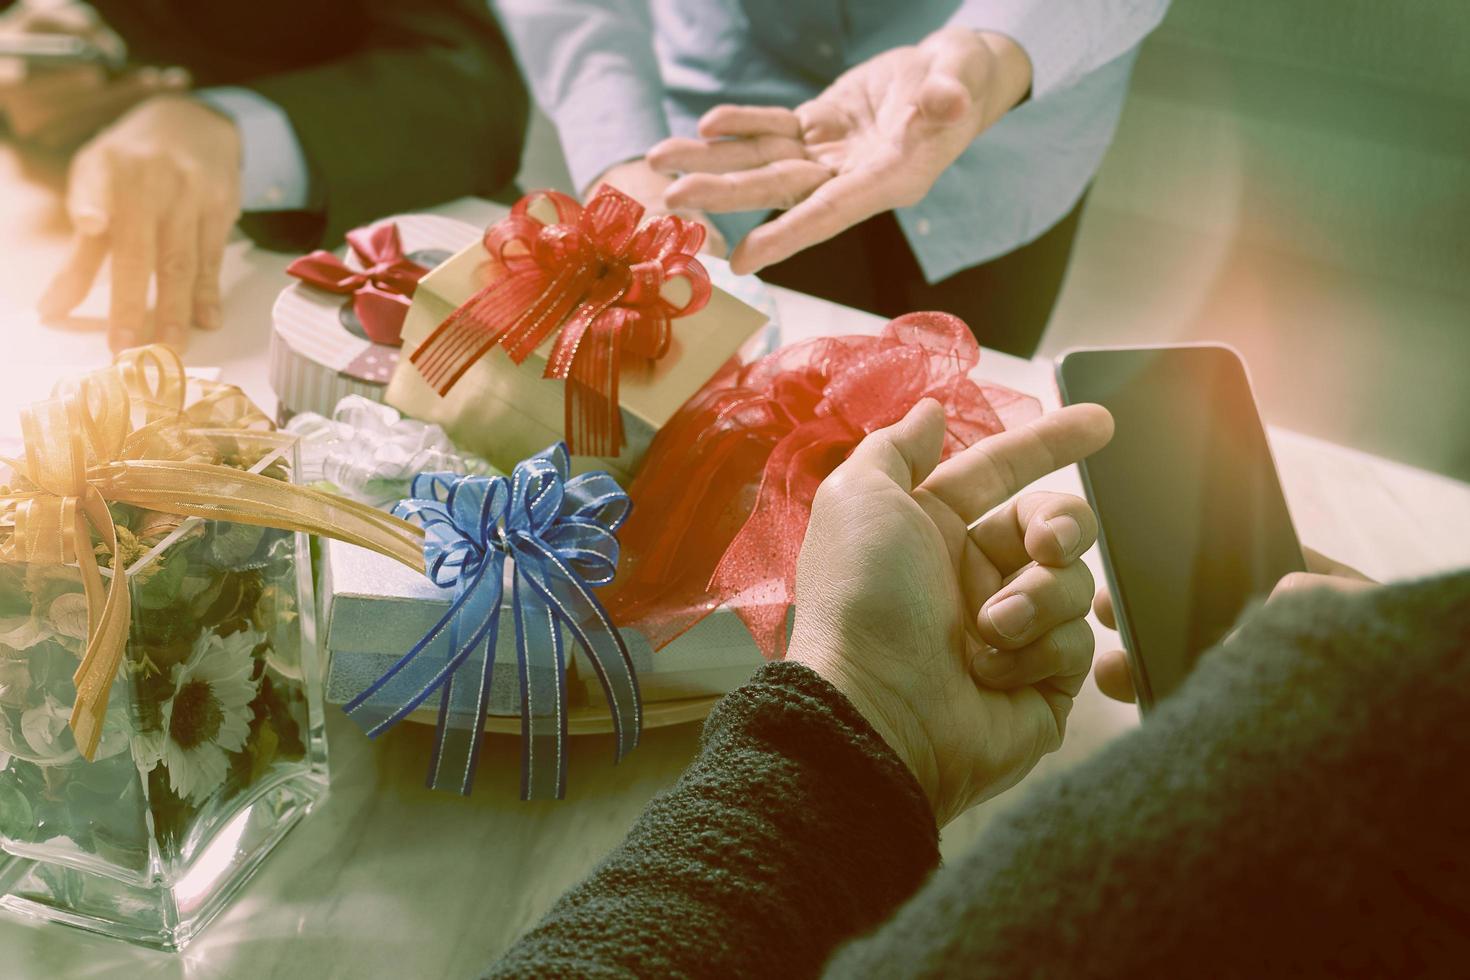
point(273, 172)
point(617, 76)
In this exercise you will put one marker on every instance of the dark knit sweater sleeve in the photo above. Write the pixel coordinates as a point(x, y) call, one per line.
point(1299, 808)
point(795, 829)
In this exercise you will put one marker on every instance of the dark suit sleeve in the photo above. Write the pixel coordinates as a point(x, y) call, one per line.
point(430, 107)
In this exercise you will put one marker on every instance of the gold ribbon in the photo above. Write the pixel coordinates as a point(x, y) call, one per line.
point(124, 435)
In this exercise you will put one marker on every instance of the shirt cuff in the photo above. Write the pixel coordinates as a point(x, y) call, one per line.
point(274, 175)
point(1051, 42)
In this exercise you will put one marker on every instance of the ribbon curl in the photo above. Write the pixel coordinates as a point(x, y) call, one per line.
point(593, 273)
point(123, 435)
point(381, 291)
point(559, 536)
point(722, 502)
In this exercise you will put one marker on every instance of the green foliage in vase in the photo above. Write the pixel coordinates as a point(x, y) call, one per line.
point(191, 603)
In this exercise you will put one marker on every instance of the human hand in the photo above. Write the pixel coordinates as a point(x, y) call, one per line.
point(1111, 672)
point(159, 191)
point(643, 184)
point(875, 140)
point(921, 620)
point(57, 106)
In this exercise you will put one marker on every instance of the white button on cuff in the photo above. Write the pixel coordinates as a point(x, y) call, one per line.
point(826, 50)
point(274, 195)
point(922, 226)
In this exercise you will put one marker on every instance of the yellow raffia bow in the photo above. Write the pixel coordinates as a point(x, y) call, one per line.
point(124, 435)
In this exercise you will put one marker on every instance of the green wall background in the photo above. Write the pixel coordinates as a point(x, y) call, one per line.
point(1294, 178)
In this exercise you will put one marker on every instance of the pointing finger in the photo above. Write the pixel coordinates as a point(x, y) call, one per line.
point(994, 469)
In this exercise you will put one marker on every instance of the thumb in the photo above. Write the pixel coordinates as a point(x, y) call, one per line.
point(943, 99)
point(906, 451)
point(953, 81)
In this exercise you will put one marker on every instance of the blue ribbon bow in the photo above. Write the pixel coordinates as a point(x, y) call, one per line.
point(560, 534)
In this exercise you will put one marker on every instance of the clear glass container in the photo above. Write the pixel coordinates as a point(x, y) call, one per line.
point(213, 745)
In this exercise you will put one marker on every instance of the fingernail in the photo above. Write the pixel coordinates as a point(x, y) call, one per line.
point(1012, 616)
point(1067, 532)
point(208, 318)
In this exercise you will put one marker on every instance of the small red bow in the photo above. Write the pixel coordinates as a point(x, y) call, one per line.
point(593, 273)
point(381, 291)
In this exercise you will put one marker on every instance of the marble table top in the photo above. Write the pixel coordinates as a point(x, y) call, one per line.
point(390, 879)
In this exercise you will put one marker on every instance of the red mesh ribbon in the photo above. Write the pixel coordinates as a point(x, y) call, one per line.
point(381, 291)
point(593, 273)
point(723, 498)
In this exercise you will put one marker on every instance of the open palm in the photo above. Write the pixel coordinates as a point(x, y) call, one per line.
point(876, 139)
point(906, 560)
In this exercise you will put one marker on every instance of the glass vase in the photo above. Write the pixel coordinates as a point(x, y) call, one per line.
point(213, 745)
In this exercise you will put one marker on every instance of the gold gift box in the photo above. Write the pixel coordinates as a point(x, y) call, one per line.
point(506, 412)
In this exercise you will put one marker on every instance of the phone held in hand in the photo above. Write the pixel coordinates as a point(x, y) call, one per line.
point(1193, 523)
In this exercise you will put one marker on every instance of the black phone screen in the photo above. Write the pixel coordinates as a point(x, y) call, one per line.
point(1193, 522)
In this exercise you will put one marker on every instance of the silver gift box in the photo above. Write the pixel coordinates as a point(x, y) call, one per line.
point(375, 609)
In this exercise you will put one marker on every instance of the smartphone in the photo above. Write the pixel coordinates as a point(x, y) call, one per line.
point(1193, 523)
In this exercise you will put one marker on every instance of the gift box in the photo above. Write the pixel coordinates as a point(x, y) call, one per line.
point(510, 572)
point(373, 609)
point(666, 332)
point(326, 341)
point(160, 687)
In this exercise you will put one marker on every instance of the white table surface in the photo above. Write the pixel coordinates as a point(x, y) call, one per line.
point(390, 879)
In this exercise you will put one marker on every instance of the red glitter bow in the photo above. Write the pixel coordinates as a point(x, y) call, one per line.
point(381, 291)
point(721, 503)
point(593, 273)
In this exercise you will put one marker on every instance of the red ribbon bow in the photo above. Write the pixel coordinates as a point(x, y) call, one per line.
point(597, 276)
point(381, 291)
point(721, 503)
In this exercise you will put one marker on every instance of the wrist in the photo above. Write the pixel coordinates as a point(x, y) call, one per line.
point(884, 713)
point(1010, 70)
